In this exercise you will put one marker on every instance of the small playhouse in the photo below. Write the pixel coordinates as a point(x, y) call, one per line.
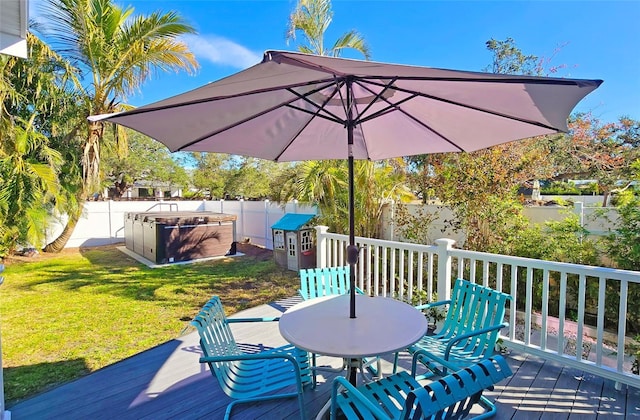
point(293, 244)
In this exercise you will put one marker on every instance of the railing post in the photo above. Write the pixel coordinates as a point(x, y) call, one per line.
point(444, 268)
point(321, 246)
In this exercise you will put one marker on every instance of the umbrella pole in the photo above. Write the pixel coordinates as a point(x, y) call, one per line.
point(352, 249)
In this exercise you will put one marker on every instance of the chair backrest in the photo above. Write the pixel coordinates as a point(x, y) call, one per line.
point(452, 396)
point(216, 338)
point(318, 282)
point(474, 307)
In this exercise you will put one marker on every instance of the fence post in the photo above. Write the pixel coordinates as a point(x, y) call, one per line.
point(444, 267)
point(111, 235)
point(267, 236)
point(321, 246)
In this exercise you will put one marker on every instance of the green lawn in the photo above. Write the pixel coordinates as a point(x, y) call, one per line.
point(65, 316)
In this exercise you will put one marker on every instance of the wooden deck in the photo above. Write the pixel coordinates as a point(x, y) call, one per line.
point(167, 382)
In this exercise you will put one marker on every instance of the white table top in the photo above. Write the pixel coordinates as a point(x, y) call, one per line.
point(382, 325)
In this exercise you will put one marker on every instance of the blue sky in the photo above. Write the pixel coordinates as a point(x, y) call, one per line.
point(598, 39)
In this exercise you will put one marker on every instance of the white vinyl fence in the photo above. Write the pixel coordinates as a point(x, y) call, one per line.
point(102, 222)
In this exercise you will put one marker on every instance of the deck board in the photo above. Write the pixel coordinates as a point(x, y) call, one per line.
point(167, 382)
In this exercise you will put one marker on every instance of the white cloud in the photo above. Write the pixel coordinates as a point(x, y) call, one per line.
point(219, 50)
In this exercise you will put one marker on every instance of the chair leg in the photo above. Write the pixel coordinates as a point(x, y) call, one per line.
point(313, 371)
point(487, 405)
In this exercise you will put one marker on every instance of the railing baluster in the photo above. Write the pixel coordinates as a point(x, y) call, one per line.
point(420, 276)
point(513, 314)
point(602, 288)
point(582, 287)
point(622, 324)
point(392, 292)
point(472, 270)
point(410, 277)
point(376, 270)
point(562, 313)
point(385, 277)
point(485, 273)
point(545, 309)
point(528, 307)
point(430, 269)
point(369, 271)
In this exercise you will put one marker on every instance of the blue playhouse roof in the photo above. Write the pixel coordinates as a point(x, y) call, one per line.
point(292, 221)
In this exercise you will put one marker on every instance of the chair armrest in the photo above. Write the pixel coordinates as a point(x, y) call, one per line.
point(251, 356)
point(444, 359)
point(237, 320)
point(340, 381)
point(462, 337)
point(432, 304)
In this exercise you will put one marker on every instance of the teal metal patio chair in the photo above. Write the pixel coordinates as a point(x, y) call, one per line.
point(332, 281)
point(401, 396)
point(469, 334)
point(328, 281)
point(280, 372)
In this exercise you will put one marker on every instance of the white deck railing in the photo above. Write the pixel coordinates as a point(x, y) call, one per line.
point(548, 297)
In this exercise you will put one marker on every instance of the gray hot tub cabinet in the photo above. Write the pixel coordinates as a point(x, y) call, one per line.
point(168, 237)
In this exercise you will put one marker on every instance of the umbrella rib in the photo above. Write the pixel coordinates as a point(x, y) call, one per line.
point(237, 123)
point(316, 114)
point(148, 108)
point(331, 117)
point(376, 98)
point(460, 104)
point(321, 108)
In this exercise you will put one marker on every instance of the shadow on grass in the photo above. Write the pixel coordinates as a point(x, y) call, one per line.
point(242, 281)
point(23, 381)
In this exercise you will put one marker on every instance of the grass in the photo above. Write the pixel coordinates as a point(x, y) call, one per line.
point(73, 313)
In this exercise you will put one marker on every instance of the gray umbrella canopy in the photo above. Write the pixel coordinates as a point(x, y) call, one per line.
point(294, 107)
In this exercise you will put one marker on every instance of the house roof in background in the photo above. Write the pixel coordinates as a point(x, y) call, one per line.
point(13, 27)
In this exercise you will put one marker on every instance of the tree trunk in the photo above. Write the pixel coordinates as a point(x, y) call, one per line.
point(59, 243)
point(91, 158)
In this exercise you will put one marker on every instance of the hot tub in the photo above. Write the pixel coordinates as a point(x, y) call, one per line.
point(169, 237)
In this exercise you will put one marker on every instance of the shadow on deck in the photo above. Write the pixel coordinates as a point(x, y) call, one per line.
point(168, 382)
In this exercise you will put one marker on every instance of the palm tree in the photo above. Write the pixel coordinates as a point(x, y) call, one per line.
point(311, 18)
point(326, 182)
point(29, 172)
point(36, 104)
point(118, 51)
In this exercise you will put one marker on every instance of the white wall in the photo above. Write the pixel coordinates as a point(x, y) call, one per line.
point(102, 222)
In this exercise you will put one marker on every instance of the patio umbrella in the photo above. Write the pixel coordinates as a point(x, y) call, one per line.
point(294, 107)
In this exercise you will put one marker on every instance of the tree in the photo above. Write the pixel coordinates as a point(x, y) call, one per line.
point(208, 176)
point(311, 18)
point(596, 150)
point(376, 183)
point(250, 178)
point(147, 160)
point(119, 51)
point(37, 105)
point(473, 184)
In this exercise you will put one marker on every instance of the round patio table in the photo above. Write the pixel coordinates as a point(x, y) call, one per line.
point(382, 325)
